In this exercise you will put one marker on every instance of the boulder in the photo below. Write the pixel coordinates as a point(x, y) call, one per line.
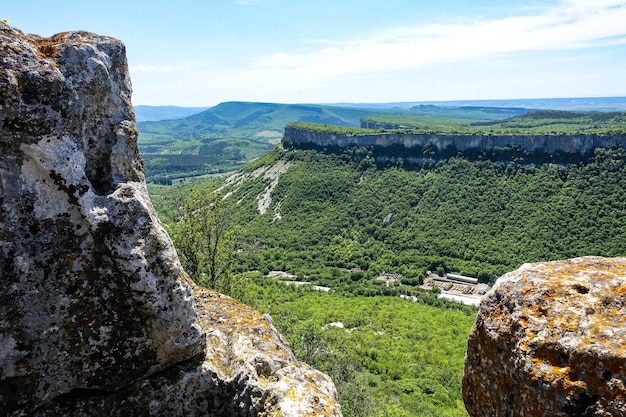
point(97, 315)
point(550, 340)
point(91, 293)
point(248, 370)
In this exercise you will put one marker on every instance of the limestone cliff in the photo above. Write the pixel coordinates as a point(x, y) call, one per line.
point(97, 315)
point(429, 146)
point(550, 340)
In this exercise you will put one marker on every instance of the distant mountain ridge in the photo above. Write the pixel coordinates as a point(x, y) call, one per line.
point(246, 119)
point(572, 104)
point(254, 120)
point(155, 113)
point(145, 113)
point(227, 136)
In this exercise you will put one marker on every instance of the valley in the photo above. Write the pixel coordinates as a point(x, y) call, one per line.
point(203, 214)
point(341, 217)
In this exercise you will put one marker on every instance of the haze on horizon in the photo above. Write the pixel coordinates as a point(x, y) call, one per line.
point(189, 53)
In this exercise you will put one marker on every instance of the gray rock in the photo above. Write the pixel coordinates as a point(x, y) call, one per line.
point(248, 370)
point(91, 294)
point(415, 143)
point(97, 315)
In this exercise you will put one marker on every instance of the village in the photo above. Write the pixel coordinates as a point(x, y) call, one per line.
point(454, 287)
point(466, 290)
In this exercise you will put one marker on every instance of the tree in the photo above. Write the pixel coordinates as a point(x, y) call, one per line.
point(205, 240)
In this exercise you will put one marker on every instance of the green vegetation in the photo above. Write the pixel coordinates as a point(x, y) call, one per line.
point(205, 240)
point(339, 219)
point(332, 129)
point(387, 356)
point(450, 113)
point(480, 218)
point(561, 122)
point(229, 135)
point(168, 160)
point(535, 122)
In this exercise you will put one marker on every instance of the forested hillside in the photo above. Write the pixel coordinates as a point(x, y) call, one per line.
point(339, 218)
point(331, 212)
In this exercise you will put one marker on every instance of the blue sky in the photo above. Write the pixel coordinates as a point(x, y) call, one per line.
point(201, 53)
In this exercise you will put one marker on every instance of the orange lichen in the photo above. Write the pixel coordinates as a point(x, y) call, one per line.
point(557, 327)
point(47, 47)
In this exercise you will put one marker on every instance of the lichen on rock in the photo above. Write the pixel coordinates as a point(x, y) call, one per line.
point(97, 315)
point(550, 340)
point(248, 370)
point(90, 294)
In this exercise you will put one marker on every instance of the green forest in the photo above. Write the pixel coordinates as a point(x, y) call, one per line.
point(531, 123)
point(339, 219)
point(478, 218)
point(386, 356)
point(302, 234)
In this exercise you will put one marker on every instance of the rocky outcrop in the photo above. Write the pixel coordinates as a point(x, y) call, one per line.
point(550, 340)
point(436, 145)
point(248, 370)
point(97, 315)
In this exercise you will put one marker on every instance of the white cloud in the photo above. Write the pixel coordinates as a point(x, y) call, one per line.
point(568, 25)
point(246, 2)
point(552, 51)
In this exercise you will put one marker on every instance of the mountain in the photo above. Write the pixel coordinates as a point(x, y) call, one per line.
point(225, 137)
point(153, 113)
point(342, 218)
point(572, 104)
point(250, 120)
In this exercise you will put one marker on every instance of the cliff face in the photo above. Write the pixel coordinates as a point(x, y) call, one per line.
point(452, 143)
point(550, 340)
point(97, 314)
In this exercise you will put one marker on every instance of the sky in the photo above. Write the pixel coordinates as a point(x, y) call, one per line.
point(204, 52)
